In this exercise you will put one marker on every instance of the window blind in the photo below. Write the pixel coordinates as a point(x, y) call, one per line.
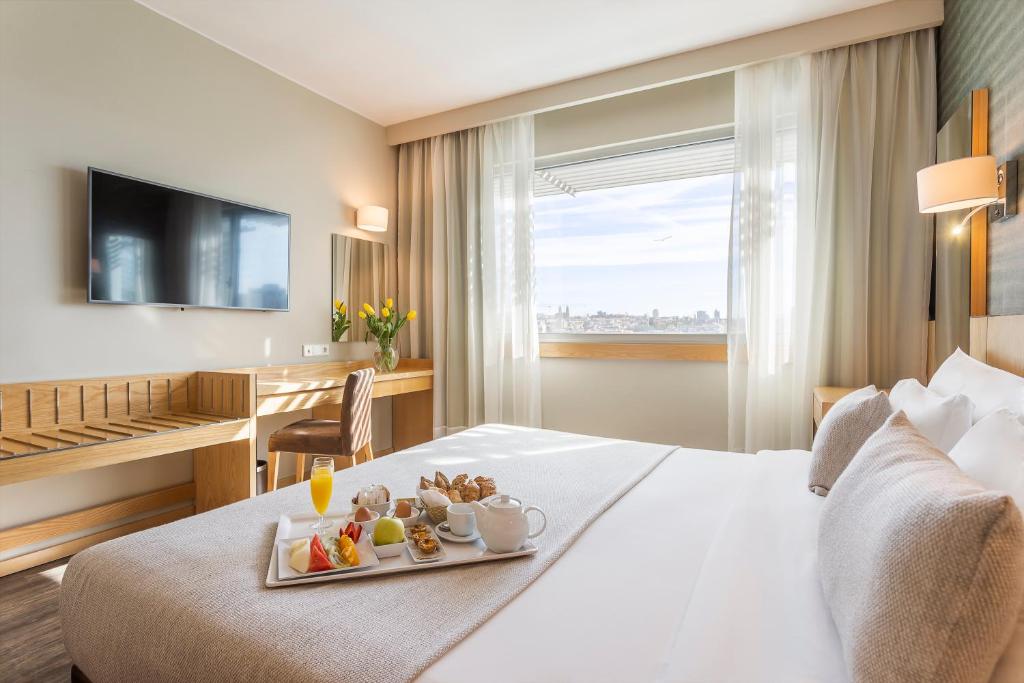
point(651, 166)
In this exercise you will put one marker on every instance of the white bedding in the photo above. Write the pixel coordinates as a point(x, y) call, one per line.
point(705, 571)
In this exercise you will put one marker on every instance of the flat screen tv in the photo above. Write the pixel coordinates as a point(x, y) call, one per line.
point(153, 244)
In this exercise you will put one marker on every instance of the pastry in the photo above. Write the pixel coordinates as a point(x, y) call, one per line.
point(454, 495)
point(441, 481)
point(425, 483)
point(427, 545)
point(487, 488)
point(459, 480)
point(418, 527)
point(469, 492)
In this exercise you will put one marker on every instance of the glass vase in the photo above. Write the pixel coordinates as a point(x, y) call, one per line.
point(385, 357)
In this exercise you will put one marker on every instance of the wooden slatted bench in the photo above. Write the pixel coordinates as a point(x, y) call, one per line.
point(51, 428)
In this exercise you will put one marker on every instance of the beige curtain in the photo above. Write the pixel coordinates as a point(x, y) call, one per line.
point(873, 118)
point(466, 265)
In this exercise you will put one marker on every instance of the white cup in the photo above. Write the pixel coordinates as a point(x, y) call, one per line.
point(461, 519)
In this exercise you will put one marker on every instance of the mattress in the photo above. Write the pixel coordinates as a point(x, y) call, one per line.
point(704, 571)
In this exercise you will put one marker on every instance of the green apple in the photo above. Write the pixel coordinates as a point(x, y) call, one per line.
point(388, 530)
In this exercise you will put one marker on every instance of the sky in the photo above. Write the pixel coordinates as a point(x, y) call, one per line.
point(636, 248)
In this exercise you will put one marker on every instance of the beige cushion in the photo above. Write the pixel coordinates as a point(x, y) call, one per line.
point(922, 568)
point(1010, 668)
point(843, 430)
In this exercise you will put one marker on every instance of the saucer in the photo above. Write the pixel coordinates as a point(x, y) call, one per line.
point(444, 531)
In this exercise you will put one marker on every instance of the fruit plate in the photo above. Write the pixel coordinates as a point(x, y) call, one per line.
point(296, 526)
point(367, 558)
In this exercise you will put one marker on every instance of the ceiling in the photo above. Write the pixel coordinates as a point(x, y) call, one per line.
point(395, 60)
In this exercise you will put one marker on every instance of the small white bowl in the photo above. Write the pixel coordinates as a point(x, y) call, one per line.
point(367, 525)
point(389, 550)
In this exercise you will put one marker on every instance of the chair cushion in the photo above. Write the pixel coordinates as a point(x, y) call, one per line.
point(320, 437)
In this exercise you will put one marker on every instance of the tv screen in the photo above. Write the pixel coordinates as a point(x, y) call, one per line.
point(153, 244)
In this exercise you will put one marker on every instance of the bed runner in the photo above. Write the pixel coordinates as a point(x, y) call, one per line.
point(186, 601)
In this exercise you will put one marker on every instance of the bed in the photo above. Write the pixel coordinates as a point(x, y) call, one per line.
point(700, 555)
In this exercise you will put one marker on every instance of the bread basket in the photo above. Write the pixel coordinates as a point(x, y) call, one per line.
point(436, 513)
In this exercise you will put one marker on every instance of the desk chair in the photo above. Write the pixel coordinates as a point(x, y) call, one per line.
point(349, 437)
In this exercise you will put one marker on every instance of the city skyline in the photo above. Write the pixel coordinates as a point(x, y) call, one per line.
point(600, 250)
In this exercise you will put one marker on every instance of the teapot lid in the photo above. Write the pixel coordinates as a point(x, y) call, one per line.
point(505, 503)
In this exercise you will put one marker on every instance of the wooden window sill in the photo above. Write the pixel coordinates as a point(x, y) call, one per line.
point(709, 353)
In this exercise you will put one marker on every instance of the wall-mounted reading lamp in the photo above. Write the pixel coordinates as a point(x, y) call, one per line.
point(969, 183)
point(372, 218)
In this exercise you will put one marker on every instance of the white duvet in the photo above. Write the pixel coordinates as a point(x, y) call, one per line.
point(705, 571)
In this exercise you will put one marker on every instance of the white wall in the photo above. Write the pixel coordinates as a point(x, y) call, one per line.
point(114, 85)
point(672, 402)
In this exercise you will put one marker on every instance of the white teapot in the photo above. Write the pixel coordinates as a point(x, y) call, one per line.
point(503, 524)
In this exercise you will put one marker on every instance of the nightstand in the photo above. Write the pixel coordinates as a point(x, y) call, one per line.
point(824, 399)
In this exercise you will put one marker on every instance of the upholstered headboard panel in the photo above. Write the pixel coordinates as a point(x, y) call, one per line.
point(999, 341)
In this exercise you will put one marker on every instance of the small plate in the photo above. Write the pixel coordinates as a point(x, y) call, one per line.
point(444, 531)
point(364, 548)
point(417, 555)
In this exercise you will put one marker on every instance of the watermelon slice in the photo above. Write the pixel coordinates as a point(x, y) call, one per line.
point(318, 561)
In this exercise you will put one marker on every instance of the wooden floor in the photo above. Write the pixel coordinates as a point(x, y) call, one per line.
point(31, 645)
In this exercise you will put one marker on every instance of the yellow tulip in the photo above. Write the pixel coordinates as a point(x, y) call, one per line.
point(343, 309)
point(390, 302)
point(337, 304)
point(411, 315)
point(362, 314)
point(384, 312)
point(369, 309)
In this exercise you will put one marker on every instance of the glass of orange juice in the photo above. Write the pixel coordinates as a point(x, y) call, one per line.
point(321, 485)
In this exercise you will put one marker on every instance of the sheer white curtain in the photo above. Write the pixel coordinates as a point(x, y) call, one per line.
point(465, 255)
point(770, 300)
point(830, 260)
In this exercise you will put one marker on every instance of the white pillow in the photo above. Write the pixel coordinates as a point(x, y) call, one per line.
point(989, 388)
point(992, 453)
point(941, 419)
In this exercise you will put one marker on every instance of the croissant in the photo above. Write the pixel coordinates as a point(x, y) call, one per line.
point(441, 481)
point(454, 495)
point(460, 480)
point(425, 483)
point(469, 491)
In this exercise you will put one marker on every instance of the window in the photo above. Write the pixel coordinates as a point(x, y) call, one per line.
point(636, 243)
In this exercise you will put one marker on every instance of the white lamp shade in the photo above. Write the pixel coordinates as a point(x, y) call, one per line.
point(958, 184)
point(372, 218)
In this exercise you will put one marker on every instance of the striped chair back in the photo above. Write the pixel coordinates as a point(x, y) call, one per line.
point(355, 411)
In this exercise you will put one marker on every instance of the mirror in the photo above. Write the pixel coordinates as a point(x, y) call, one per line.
point(953, 247)
point(361, 271)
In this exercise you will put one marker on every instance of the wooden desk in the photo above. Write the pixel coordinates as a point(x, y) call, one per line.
point(224, 474)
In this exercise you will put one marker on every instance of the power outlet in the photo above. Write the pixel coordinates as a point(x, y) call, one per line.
point(315, 350)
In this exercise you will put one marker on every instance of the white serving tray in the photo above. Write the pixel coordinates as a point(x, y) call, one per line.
point(294, 526)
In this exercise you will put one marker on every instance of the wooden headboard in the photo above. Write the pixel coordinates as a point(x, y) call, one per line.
point(999, 341)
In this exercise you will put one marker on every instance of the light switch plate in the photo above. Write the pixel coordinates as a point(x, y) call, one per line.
point(315, 350)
